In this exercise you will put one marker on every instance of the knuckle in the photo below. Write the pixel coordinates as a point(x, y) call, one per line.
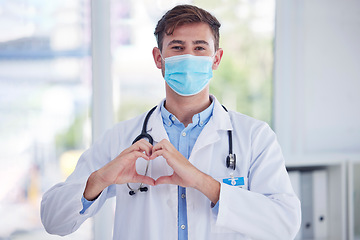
point(142, 140)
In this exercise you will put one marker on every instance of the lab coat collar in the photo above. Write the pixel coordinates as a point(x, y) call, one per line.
point(219, 122)
point(220, 117)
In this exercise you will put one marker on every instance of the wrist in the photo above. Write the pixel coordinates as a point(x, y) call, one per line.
point(94, 186)
point(209, 187)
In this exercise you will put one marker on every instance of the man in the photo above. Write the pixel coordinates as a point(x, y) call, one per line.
point(193, 190)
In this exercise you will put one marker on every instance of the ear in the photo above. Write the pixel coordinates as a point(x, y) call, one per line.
point(217, 58)
point(157, 57)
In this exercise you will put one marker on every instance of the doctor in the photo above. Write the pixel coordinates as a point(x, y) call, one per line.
point(191, 193)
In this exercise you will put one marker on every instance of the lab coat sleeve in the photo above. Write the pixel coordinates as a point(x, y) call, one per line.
point(61, 204)
point(270, 208)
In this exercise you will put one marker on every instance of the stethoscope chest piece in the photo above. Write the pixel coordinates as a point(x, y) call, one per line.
point(231, 161)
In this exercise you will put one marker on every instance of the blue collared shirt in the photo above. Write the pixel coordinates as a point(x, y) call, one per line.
point(184, 140)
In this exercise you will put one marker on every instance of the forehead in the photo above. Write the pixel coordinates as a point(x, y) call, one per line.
point(191, 33)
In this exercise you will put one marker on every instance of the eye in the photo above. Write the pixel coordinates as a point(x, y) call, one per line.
point(177, 47)
point(199, 48)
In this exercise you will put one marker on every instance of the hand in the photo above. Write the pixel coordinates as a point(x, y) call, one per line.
point(185, 174)
point(120, 170)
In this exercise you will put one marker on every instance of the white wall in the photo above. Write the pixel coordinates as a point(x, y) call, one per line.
point(317, 79)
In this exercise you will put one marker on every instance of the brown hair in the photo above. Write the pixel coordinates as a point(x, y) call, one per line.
point(185, 14)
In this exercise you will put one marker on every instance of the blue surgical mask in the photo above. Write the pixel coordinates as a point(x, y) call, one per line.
point(187, 74)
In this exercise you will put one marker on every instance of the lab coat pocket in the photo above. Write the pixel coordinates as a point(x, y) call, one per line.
point(217, 230)
point(235, 182)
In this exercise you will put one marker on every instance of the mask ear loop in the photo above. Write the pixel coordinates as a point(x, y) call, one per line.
point(161, 56)
point(214, 54)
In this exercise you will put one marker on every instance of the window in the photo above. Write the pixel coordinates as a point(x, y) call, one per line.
point(45, 90)
point(45, 86)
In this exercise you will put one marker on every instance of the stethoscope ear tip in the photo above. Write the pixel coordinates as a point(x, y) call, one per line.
point(143, 189)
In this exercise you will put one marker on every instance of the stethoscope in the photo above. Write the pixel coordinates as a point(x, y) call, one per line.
point(230, 159)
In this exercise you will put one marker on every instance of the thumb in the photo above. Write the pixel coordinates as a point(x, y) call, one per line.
point(164, 180)
point(145, 179)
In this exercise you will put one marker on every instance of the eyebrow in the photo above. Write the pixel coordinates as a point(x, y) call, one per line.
point(176, 42)
point(196, 42)
point(200, 42)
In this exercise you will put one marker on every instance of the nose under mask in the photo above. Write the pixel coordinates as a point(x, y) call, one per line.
point(187, 74)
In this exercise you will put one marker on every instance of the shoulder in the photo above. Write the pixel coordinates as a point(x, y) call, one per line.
point(122, 132)
point(245, 118)
point(239, 122)
point(133, 122)
point(114, 140)
point(240, 119)
point(252, 129)
point(128, 128)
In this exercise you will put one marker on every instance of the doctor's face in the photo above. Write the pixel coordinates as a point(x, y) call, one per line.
point(196, 39)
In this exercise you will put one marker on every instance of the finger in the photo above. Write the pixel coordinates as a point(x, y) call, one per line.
point(165, 144)
point(164, 180)
point(156, 153)
point(158, 146)
point(143, 146)
point(135, 155)
point(164, 153)
point(145, 180)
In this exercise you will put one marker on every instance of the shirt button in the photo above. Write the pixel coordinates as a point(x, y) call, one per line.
point(183, 195)
point(183, 134)
point(183, 227)
point(173, 118)
point(201, 123)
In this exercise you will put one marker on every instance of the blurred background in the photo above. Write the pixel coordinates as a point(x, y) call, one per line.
point(294, 64)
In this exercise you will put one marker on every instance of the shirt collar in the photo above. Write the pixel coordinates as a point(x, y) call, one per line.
point(199, 119)
point(168, 118)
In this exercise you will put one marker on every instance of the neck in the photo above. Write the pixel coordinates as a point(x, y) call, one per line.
point(184, 108)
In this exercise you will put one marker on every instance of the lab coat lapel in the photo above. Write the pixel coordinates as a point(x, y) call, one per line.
point(220, 121)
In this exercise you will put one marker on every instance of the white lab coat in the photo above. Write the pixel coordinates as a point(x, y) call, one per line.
point(265, 208)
